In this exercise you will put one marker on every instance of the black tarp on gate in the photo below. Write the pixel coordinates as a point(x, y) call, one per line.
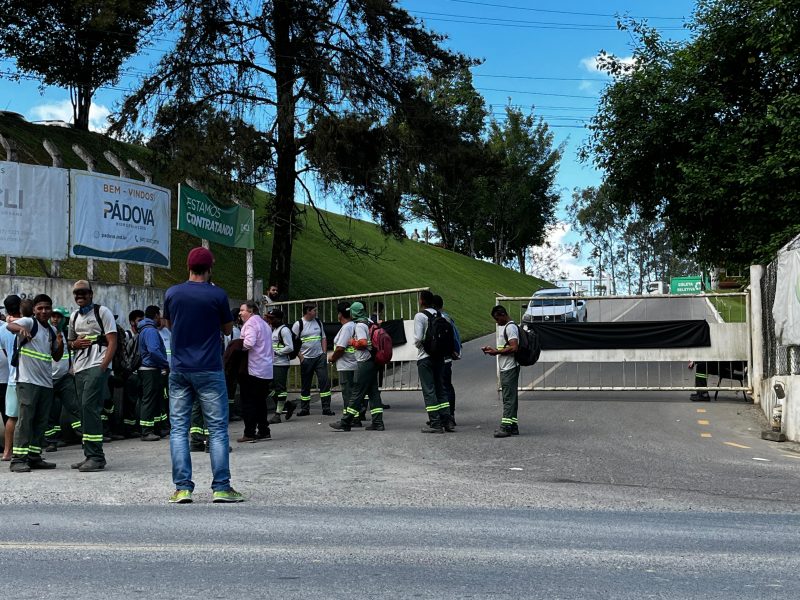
point(628, 335)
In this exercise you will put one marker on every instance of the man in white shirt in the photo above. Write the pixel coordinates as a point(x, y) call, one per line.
point(507, 344)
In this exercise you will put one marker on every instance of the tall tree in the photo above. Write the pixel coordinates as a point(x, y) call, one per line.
point(287, 67)
point(703, 134)
point(523, 199)
point(76, 44)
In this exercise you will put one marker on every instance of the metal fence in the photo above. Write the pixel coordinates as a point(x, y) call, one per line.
point(401, 373)
point(778, 360)
point(651, 369)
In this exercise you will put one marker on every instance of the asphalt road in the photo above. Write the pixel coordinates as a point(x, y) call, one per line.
point(627, 495)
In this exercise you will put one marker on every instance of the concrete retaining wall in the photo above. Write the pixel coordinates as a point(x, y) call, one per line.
point(121, 299)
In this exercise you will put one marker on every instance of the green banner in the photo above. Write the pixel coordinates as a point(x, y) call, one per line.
point(688, 285)
point(201, 216)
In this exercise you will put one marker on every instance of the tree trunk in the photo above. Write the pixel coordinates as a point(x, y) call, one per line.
point(82, 102)
point(521, 258)
point(285, 214)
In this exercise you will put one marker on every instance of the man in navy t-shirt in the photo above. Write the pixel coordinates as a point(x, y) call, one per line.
point(197, 312)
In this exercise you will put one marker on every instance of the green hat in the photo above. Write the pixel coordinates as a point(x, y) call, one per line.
point(358, 312)
point(62, 311)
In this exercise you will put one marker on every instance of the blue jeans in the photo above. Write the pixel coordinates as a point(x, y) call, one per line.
point(207, 387)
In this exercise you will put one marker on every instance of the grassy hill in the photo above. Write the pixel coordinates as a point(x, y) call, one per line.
point(318, 270)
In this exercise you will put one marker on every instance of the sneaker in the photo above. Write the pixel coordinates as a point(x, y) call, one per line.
point(151, 437)
point(41, 464)
point(289, 409)
point(92, 465)
point(274, 419)
point(78, 465)
point(245, 439)
point(339, 426)
point(502, 433)
point(181, 497)
point(20, 467)
point(230, 495)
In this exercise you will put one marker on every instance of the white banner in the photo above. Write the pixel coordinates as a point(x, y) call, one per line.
point(786, 309)
point(34, 211)
point(119, 219)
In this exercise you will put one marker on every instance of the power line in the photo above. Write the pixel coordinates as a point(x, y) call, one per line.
point(538, 78)
point(559, 12)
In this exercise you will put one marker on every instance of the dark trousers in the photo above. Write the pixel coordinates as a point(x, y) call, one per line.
point(131, 404)
point(366, 385)
point(254, 392)
point(509, 381)
point(315, 366)
point(34, 409)
point(198, 433)
point(447, 384)
point(150, 405)
point(430, 379)
point(92, 390)
point(64, 408)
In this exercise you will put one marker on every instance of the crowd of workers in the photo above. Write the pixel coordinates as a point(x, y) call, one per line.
point(178, 366)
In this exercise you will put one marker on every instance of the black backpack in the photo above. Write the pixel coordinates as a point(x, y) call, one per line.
point(296, 342)
point(528, 346)
point(439, 340)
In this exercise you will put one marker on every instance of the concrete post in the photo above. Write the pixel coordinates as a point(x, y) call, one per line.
point(756, 332)
point(58, 161)
point(148, 177)
point(11, 156)
point(90, 166)
point(120, 166)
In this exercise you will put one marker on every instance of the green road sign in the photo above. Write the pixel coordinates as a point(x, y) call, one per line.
point(685, 285)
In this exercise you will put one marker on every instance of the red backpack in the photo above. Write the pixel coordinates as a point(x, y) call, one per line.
point(381, 344)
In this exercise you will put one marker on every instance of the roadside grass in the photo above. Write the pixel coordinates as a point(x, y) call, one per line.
point(732, 309)
point(468, 286)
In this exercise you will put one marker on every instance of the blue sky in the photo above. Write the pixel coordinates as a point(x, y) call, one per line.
point(538, 55)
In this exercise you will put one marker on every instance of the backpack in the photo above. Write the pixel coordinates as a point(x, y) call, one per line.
point(131, 359)
point(18, 346)
point(528, 346)
point(296, 342)
point(119, 354)
point(439, 340)
point(381, 344)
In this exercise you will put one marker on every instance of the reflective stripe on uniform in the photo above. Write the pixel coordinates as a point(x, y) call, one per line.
point(31, 353)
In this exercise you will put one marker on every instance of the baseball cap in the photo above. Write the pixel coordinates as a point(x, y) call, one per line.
point(81, 285)
point(200, 258)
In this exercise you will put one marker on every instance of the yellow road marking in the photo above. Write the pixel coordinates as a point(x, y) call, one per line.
point(702, 421)
point(705, 435)
point(735, 445)
point(701, 410)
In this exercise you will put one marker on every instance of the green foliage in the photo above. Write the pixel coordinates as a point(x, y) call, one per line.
point(320, 270)
point(76, 44)
point(703, 135)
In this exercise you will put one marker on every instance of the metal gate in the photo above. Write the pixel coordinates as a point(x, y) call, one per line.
point(652, 369)
point(401, 373)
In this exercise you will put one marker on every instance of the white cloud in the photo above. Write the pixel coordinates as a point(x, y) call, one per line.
point(62, 111)
point(592, 64)
point(556, 252)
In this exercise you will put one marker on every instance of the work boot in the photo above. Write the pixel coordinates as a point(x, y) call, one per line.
point(376, 425)
point(274, 419)
point(356, 423)
point(340, 425)
point(503, 432)
point(448, 424)
point(40, 464)
point(700, 397)
point(20, 466)
point(264, 434)
point(150, 437)
point(305, 408)
point(289, 409)
point(78, 465)
point(92, 465)
point(432, 430)
point(514, 429)
point(197, 447)
point(51, 447)
point(326, 407)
